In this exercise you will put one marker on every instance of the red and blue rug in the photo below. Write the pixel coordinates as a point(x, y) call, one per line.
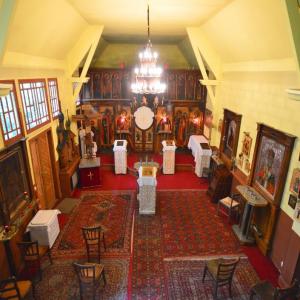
point(60, 281)
point(184, 281)
point(111, 209)
point(185, 225)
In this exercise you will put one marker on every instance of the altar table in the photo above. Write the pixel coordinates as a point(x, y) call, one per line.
point(120, 155)
point(201, 152)
point(147, 189)
point(89, 172)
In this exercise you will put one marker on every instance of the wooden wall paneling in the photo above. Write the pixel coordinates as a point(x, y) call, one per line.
point(291, 259)
point(285, 250)
point(281, 239)
point(171, 86)
point(96, 91)
point(55, 165)
point(44, 175)
point(115, 84)
point(37, 172)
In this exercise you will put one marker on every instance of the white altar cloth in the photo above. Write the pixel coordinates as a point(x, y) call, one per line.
point(201, 156)
point(120, 156)
point(168, 147)
point(147, 191)
point(147, 180)
point(168, 157)
point(44, 227)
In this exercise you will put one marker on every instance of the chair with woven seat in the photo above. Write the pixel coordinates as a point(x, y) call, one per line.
point(93, 237)
point(12, 289)
point(265, 291)
point(89, 277)
point(229, 205)
point(32, 253)
point(221, 270)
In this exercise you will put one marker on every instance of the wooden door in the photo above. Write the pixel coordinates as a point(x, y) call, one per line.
point(42, 168)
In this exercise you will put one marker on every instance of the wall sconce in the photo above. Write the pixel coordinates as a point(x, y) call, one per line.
point(5, 89)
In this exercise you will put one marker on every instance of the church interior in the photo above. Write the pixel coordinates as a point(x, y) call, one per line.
point(149, 149)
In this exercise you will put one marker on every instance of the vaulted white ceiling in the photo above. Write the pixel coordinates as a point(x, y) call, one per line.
point(238, 30)
point(167, 17)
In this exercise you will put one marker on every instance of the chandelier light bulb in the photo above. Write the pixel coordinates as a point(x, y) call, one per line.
point(147, 75)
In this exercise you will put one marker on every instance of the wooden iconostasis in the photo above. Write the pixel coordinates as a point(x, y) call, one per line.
point(178, 114)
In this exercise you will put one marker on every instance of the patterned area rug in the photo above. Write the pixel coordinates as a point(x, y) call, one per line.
point(147, 269)
point(185, 225)
point(184, 281)
point(111, 209)
point(190, 225)
point(60, 281)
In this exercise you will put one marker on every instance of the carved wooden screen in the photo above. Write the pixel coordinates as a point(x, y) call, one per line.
point(115, 84)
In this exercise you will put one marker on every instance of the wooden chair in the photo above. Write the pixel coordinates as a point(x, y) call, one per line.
point(229, 205)
point(221, 270)
point(265, 291)
point(32, 253)
point(93, 237)
point(89, 276)
point(12, 289)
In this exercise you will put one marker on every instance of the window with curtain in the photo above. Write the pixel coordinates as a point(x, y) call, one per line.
point(9, 116)
point(34, 99)
point(54, 97)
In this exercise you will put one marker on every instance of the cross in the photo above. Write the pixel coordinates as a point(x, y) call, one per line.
point(90, 175)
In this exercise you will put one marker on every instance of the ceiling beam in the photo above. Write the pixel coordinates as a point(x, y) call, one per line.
point(87, 39)
point(207, 58)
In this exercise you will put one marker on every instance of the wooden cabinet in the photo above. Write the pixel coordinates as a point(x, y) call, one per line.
point(219, 180)
point(65, 176)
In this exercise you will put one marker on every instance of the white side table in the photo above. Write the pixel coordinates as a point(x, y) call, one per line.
point(147, 190)
point(169, 148)
point(44, 227)
point(120, 155)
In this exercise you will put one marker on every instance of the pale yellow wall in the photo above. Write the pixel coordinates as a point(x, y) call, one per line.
point(261, 97)
point(115, 54)
point(250, 30)
point(65, 93)
point(45, 28)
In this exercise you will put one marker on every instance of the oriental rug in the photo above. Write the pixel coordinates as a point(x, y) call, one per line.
point(61, 283)
point(184, 281)
point(113, 210)
point(185, 225)
point(190, 225)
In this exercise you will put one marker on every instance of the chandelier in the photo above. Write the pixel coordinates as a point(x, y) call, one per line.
point(147, 75)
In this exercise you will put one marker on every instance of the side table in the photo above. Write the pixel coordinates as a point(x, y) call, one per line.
point(89, 172)
point(253, 199)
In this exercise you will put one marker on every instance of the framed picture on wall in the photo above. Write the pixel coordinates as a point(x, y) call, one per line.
point(271, 160)
point(292, 201)
point(230, 136)
point(295, 182)
point(247, 144)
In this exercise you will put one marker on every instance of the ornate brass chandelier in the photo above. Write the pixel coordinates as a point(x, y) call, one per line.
point(147, 75)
